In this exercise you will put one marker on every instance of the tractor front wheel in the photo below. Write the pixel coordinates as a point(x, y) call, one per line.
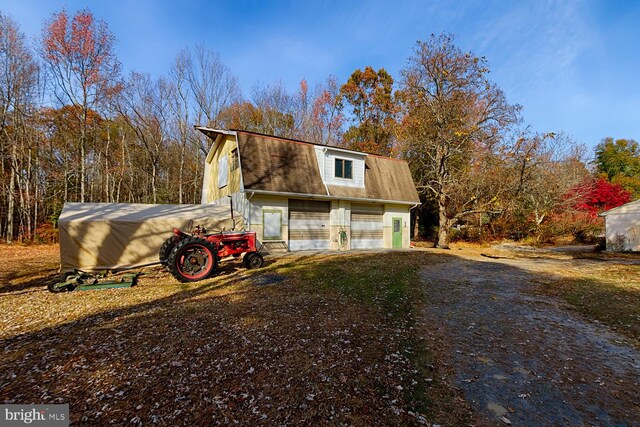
point(192, 259)
point(253, 260)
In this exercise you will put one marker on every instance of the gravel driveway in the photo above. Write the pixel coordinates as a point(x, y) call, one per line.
point(521, 358)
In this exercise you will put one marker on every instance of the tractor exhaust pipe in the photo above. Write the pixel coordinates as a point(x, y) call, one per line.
point(233, 221)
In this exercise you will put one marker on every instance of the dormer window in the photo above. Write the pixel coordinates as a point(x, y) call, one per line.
point(344, 169)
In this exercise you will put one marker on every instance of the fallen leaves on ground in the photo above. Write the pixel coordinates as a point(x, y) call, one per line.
point(229, 349)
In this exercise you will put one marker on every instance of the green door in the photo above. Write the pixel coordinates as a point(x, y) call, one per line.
point(397, 233)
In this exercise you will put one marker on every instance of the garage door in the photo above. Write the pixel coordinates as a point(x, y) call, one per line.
point(308, 224)
point(366, 226)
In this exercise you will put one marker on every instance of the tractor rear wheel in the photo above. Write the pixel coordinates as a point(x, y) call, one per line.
point(253, 260)
point(192, 259)
point(166, 248)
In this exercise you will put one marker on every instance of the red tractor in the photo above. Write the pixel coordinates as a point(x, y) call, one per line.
point(193, 257)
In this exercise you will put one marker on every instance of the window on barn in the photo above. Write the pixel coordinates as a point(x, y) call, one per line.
point(344, 169)
point(235, 162)
point(223, 171)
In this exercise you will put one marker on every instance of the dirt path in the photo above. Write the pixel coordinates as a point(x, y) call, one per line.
point(522, 358)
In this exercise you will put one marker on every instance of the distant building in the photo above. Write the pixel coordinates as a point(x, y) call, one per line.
point(298, 195)
point(623, 227)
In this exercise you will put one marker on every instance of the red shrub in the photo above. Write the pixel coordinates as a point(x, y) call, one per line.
point(599, 196)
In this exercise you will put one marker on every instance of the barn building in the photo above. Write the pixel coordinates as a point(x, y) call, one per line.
point(622, 227)
point(298, 195)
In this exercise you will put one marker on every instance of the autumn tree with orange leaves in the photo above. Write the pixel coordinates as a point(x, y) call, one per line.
point(369, 95)
point(80, 60)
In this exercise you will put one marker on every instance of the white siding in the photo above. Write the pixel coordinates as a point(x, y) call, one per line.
point(326, 162)
point(623, 231)
point(320, 155)
point(258, 206)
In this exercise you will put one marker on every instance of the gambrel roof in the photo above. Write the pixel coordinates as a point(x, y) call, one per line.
point(279, 165)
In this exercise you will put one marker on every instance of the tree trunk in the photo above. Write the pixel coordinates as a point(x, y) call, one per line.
point(21, 207)
point(35, 211)
point(11, 199)
point(94, 178)
point(66, 187)
point(538, 219)
point(106, 168)
point(36, 203)
point(442, 241)
point(122, 169)
point(416, 223)
point(181, 172)
point(197, 182)
point(154, 190)
point(443, 237)
point(83, 136)
point(65, 173)
point(82, 171)
point(27, 191)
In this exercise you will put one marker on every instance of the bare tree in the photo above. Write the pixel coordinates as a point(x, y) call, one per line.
point(327, 118)
point(213, 87)
point(144, 106)
point(454, 122)
point(545, 168)
point(18, 85)
point(213, 84)
point(307, 115)
point(302, 106)
point(276, 108)
point(181, 106)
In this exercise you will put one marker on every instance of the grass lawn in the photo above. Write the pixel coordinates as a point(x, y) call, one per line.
point(307, 339)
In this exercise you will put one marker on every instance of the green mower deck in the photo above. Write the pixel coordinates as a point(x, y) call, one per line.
point(106, 285)
point(82, 281)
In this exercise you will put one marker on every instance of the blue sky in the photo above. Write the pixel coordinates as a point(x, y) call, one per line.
point(573, 65)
